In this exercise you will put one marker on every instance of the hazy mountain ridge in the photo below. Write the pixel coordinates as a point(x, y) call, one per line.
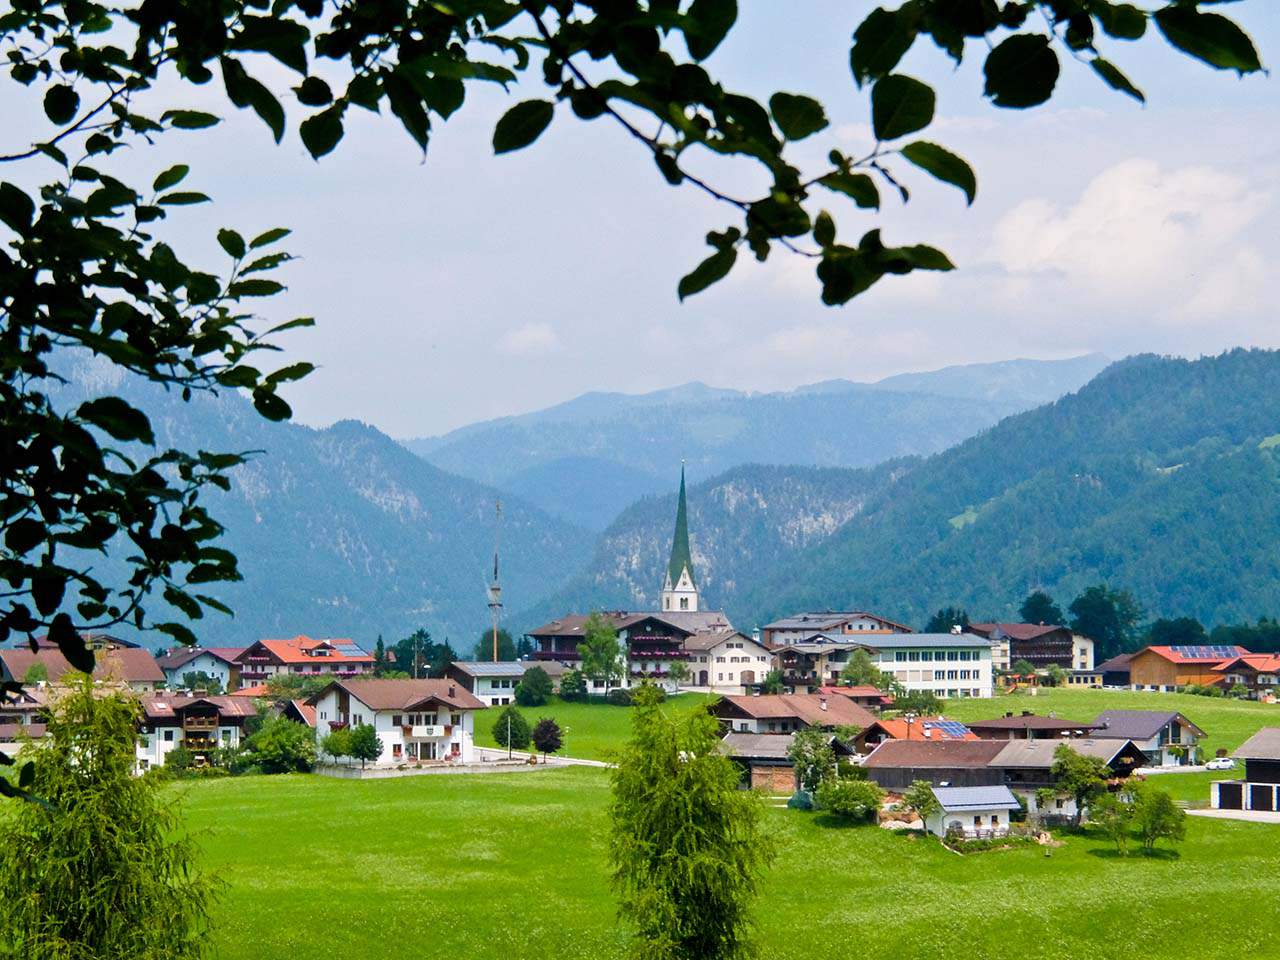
point(588, 458)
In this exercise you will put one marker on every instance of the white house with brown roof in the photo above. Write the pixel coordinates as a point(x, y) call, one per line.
point(854, 623)
point(789, 712)
point(726, 661)
point(218, 663)
point(418, 721)
point(201, 724)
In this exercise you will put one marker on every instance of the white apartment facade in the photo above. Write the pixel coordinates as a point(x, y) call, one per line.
point(947, 665)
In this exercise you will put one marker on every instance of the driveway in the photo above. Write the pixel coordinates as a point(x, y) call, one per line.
point(1253, 816)
point(491, 753)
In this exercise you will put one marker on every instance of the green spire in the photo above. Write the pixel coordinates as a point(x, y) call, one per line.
point(681, 557)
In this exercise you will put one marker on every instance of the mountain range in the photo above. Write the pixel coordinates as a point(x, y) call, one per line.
point(588, 459)
point(1160, 476)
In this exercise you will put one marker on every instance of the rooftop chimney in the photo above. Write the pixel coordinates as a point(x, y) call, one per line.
point(451, 690)
point(822, 702)
point(955, 628)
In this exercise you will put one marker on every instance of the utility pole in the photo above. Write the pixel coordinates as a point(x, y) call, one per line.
point(495, 591)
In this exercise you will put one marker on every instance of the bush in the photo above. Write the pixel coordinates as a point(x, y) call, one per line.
point(511, 729)
point(179, 760)
point(336, 743)
point(620, 697)
point(282, 746)
point(857, 800)
point(573, 686)
point(534, 688)
point(546, 735)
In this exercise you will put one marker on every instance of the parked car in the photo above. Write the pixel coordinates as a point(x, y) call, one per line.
point(1220, 763)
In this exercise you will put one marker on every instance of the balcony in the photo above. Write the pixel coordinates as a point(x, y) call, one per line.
point(200, 724)
point(562, 655)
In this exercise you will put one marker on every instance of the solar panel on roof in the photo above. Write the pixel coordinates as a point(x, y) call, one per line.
point(1205, 652)
point(948, 728)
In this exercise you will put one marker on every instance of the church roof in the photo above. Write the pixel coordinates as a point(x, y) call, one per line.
point(681, 556)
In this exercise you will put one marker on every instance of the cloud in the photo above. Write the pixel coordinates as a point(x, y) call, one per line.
point(530, 340)
point(1173, 243)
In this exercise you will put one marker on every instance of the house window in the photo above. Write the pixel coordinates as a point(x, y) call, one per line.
point(168, 736)
point(720, 677)
point(900, 657)
point(744, 726)
point(914, 656)
point(395, 720)
point(396, 750)
point(684, 603)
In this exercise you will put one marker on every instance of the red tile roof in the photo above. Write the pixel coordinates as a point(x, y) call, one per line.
point(916, 729)
point(1260, 662)
point(167, 707)
point(1205, 653)
point(305, 710)
point(806, 707)
point(303, 649)
point(254, 690)
point(864, 692)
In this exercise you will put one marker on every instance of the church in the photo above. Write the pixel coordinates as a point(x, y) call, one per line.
point(716, 656)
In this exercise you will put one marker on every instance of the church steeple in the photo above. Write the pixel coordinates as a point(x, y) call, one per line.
point(679, 590)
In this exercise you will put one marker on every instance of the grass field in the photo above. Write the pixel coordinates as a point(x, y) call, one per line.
point(512, 866)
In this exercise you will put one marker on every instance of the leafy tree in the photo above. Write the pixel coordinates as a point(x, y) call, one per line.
point(1083, 778)
point(337, 743)
point(534, 688)
point(1114, 818)
point(772, 682)
point(102, 866)
point(296, 686)
point(923, 703)
point(417, 655)
point(1157, 817)
point(685, 845)
point(1023, 668)
point(602, 657)
point(88, 265)
point(573, 686)
point(860, 671)
point(1045, 798)
point(282, 746)
point(1178, 632)
point(546, 736)
point(850, 799)
point(945, 619)
point(511, 729)
point(812, 755)
point(202, 680)
point(1040, 608)
point(484, 646)
point(678, 673)
point(365, 744)
point(920, 798)
point(36, 673)
point(1108, 617)
point(1054, 676)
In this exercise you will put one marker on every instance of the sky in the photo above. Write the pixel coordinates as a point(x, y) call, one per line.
point(463, 286)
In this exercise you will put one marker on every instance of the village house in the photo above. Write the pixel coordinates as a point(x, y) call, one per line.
point(1165, 669)
point(798, 628)
point(944, 664)
point(765, 759)
point(788, 712)
point(896, 764)
point(116, 662)
point(1167, 737)
point(495, 683)
point(302, 655)
point(416, 720)
point(1258, 789)
point(219, 663)
point(873, 698)
point(1256, 672)
point(201, 724)
point(1027, 767)
point(971, 812)
point(1029, 726)
point(1040, 644)
point(911, 728)
point(1115, 672)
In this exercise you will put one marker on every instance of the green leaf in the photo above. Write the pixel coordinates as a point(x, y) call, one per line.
point(797, 116)
point(27, 775)
point(170, 177)
point(24, 535)
point(314, 92)
point(179, 632)
point(183, 602)
point(61, 103)
point(1021, 72)
point(707, 23)
point(1123, 21)
point(1210, 37)
point(269, 237)
point(182, 198)
point(924, 257)
point(709, 271)
point(283, 39)
point(70, 644)
point(244, 91)
point(943, 164)
point(879, 43)
point(1115, 79)
point(231, 242)
point(270, 406)
point(117, 418)
point(859, 186)
point(17, 210)
point(521, 125)
point(322, 132)
point(824, 229)
point(844, 273)
point(900, 105)
point(294, 371)
point(255, 288)
point(188, 119)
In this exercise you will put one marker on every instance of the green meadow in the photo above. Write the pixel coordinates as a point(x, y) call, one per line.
point(512, 866)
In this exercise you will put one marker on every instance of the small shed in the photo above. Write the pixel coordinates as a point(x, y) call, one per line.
point(974, 811)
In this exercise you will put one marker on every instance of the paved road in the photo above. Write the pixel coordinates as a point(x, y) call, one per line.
point(492, 753)
point(1254, 816)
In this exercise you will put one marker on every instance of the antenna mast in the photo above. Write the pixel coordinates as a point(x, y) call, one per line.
point(495, 591)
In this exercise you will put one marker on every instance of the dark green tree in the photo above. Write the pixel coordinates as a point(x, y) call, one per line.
point(534, 688)
point(772, 682)
point(511, 729)
point(923, 703)
point(1113, 817)
point(573, 686)
point(1023, 668)
point(920, 798)
point(849, 799)
point(1177, 632)
point(88, 265)
point(36, 673)
point(1040, 608)
point(379, 657)
point(365, 744)
point(861, 671)
point(546, 737)
point(484, 646)
point(337, 743)
point(200, 680)
point(282, 746)
point(1083, 778)
point(1108, 617)
point(946, 618)
point(602, 655)
point(102, 867)
point(686, 846)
